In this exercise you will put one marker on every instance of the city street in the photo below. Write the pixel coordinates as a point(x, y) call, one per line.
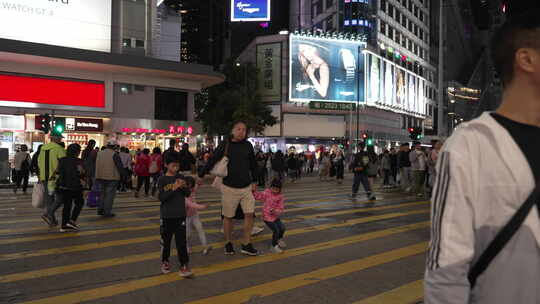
point(339, 251)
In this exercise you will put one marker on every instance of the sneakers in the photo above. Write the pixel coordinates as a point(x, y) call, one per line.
point(185, 272)
point(249, 250)
point(276, 249)
point(256, 230)
point(109, 215)
point(73, 225)
point(136, 194)
point(353, 195)
point(67, 229)
point(282, 244)
point(372, 198)
point(206, 250)
point(229, 249)
point(52, 222)
point(165, 267)
point(46, 219)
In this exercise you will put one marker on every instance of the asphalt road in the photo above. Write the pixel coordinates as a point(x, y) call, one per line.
point(339, 251)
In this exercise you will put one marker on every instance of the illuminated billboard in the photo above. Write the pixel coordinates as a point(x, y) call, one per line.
point(323, 69)
point(390, 87)
point(31, 92)
point(250, 10)
point(82, 24)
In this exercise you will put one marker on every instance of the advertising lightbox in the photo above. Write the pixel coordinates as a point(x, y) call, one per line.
point(393, 88)
point(25, 91)
point(82, 24)
point(250, 10)
point(323, 69)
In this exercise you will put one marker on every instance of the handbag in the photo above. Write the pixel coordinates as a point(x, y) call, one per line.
point(220, 168)
point(38, 196)
point(503, 236)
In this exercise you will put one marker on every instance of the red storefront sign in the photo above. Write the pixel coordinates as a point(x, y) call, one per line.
point(51, 91)
point(171, 130)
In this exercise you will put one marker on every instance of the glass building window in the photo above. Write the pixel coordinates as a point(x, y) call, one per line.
point(383, 5)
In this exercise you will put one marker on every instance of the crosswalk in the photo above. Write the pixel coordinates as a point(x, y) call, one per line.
point(339, 251)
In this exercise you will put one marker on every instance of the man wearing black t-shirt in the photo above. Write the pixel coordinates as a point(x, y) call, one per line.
point(486, 172)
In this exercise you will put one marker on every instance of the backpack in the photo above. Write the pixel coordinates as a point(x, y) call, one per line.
point(153, 169)
point(139, 167)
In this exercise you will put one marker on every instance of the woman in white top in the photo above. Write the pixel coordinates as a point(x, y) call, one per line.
point(22, 169)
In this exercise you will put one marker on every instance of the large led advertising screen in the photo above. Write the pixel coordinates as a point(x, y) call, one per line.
point(323, 69)
point(250, 10)
point(391, 87)
point(82, 24)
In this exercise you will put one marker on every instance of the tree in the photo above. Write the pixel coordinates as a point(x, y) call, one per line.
point(235, 99)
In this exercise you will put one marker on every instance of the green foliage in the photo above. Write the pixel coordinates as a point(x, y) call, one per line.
point(235, 99)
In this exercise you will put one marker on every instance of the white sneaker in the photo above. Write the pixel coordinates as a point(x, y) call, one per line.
point(282, 244)
point(256, 230)
point(276, 249)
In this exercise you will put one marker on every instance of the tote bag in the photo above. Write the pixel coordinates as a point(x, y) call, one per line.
point(220, 168)
point(38, 196)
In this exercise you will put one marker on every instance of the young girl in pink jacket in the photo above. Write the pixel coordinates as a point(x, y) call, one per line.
point(192, 217)
point(272, 209)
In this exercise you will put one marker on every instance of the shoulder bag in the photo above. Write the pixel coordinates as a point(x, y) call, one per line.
point(504, 235)
point(220, 168)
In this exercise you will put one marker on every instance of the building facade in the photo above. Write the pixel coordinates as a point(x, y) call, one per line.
point(127, 84)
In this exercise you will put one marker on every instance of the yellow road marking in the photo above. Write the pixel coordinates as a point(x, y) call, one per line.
point(309, 278)
point(122, 288)
point(151, 209)
point(99, 245)
point(18, 239)
point(104, 222)
point(214, 195)
point(149, 256)
point(406, 294)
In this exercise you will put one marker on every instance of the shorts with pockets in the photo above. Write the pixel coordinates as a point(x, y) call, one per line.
point(232, 197)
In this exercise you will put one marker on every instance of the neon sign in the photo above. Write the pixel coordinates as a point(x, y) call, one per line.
point(171, 130)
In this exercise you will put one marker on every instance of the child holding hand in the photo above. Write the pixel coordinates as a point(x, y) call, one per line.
point(273, 207)
point(193, 220)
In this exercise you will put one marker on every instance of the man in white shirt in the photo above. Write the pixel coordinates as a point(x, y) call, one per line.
point(478, 191)
point(418, 167)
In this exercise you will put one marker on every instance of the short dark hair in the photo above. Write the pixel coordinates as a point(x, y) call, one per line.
point(237, 122)
point(171, 158)
point(520, 31)
point(146, 151)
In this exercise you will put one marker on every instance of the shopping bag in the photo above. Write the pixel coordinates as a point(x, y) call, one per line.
point(94, 197)
point(38, 196)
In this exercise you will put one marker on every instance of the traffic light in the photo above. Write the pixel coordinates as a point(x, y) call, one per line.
point(369, 142)
point(415, 133)
point(43, 123)
point(59, 124)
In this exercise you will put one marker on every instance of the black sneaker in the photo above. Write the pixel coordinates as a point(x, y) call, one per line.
point(353, 195)
point(72, 225)
point(67, 229)
point(229, 249)
point(100, 212)
point(109, 215)
point(372, 198)
point(46, 219)
point(249, 250)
